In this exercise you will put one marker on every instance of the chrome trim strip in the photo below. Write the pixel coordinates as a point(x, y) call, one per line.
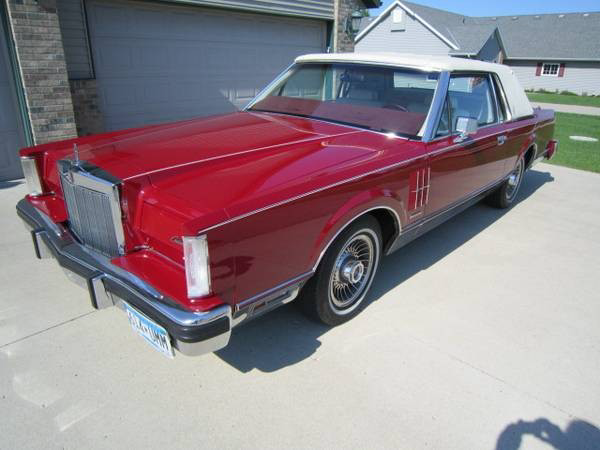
point(456, 204)
point(428, 185)
point(32, 176)
point(314, 191)
point(266, 304)
point(437, 105)
point(473, 140)
point(280, 287)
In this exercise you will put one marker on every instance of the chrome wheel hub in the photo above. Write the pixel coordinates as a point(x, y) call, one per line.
point(352, 272)
point(514, 180)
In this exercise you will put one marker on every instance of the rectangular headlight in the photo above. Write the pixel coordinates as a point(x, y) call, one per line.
point(32, 177)
point(197, 271)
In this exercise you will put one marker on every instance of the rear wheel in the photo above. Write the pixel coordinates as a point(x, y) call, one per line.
point(506, 193)
point(336, 292)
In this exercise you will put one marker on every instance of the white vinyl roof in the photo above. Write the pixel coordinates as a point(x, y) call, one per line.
point(518, 102)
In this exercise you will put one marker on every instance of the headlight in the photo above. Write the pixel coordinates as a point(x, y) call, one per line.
point(32, 177)
point(197, 272)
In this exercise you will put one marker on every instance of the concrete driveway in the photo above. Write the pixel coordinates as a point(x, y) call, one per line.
point(483, 334)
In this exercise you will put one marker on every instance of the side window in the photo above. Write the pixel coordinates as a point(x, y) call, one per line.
point(443, 128)
point(307, 83)
point(471, 96)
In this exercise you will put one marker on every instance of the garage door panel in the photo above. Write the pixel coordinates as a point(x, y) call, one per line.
point(11, 129)
point(157, 63)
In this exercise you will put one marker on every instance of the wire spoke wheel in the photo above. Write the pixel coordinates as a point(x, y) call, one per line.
point(352, 271)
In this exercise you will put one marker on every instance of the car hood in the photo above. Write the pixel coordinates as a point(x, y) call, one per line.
point(151, 150)
point(212, 169)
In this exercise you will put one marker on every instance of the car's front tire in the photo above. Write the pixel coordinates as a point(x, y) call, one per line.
point(506, 193)
point(336, 292)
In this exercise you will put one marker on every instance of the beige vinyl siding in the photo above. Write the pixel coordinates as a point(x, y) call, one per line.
point(579, 77)
point(415, 38)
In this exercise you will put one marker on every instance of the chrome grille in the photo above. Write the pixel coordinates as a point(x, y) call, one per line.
point(91, 206)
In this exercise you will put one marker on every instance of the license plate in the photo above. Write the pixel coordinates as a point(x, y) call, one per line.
point(153, 333)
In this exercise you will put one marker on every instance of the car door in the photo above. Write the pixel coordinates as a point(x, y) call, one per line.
point(460, 167)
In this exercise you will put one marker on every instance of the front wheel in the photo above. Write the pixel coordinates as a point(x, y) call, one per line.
point(336, 292)
point(506, 193)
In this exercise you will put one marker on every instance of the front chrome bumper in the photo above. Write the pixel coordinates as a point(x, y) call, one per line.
point(192, 333)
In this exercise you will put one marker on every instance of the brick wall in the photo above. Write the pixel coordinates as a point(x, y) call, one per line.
point(85, 106)
point(41, 58)
point(342, 41)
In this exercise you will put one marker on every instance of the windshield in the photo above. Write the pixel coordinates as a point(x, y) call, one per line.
point(384, 99)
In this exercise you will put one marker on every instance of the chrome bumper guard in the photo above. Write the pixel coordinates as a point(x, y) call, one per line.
point(192, 333)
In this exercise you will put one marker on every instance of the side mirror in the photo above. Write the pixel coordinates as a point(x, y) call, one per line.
point(466, 126)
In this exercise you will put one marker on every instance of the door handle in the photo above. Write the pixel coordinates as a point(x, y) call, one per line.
point(501, 139)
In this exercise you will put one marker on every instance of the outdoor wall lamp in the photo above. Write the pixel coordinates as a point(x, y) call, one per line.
point(353, 22)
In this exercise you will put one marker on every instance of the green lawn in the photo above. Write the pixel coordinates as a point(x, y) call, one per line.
point(576, 154)
point(564, 99)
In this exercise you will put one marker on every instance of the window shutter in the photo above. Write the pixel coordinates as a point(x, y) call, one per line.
point(561, 71)
point(538, 71)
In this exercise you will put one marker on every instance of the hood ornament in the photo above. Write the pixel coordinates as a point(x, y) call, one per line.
point(76, 160)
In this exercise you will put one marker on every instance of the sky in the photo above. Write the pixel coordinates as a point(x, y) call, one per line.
point(505, 7)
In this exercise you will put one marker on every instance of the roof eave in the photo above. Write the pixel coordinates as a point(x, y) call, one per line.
point(549, 58)
point(372, 3)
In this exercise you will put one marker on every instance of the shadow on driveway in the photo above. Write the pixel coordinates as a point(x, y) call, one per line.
point(579, 435)
point(284, 337)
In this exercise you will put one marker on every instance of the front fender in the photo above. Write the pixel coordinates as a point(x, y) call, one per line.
point(362, 203)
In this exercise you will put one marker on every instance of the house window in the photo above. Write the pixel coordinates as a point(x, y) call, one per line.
point(550, 69)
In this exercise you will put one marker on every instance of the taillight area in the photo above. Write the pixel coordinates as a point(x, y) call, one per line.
point(551, 149)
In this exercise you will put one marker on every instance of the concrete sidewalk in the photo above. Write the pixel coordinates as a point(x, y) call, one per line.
point(573, 109)
point(482, 334)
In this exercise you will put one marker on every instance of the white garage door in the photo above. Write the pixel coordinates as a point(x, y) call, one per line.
point(158, 63)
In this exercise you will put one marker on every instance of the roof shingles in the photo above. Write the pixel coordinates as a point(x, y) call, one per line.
point(541, 36)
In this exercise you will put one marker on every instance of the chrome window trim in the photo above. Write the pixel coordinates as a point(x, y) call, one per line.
point(509, 118)
point(437, 105)
point(80, 177)
point(278, 78)
point(496, 99)
point(503, 99)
